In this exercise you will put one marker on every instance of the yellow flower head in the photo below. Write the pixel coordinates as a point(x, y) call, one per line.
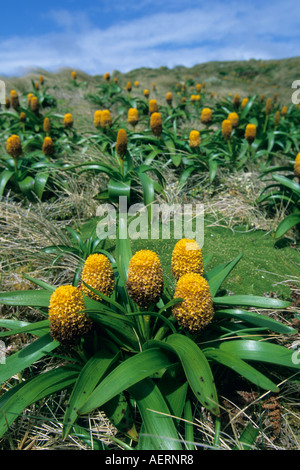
point(29, 96)
point(268, 107)
point(145, 278)
point(68, 120)
point(250, 133)
point(41, 79)
point(186, 258)
point(106, 76)
point(196, 311)
point(244, 102)
point(198, 87)
point(277, 118)
point(133, 116)
point(206, 115)
point(13, 146)
point(48, 147)
point(36, 86)
point(14, 99)
point(121, 144)
point(97, 273)
point(68, 319)
point(34, 104)
point(97, 118)
point(136, 84)
point(128, 86)
point(234, 118)
point(74, 75)
point(169, 98)
point(226, 129)
point(297, 166)
point(284, 110)
point(22, 117)
point(115, 80)
point(153, 106)
point(105, 119)
point(46, 125)
point(156, 124)
point(236, 101)
point(146, 93)
point(194, 139)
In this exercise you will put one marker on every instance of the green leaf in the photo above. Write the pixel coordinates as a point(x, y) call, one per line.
point(4, 179)
point(295, 187)
point(40, 182)
point(33, 390)
point(128, 373)
point(216, 280)
point(29, 298)
point(158, 426)
point(257, 320)
point(197, 370)
point(247, 438)
point(87, 380)
point(27, 356)
point(241, 367)
point(260, 351)
point(286, 224)
point(251, 301)
point(37, 329)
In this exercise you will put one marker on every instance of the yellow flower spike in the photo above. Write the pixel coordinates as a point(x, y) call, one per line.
point(34, 104)
point(268, 107)
point(106, 76)
point(13, 146)
point(68, 121)
point(36, 86)
point(22, 117)
point(206, 115)
point(236, 101)
point(244, 102)
point(97, 273)
point(186, 257)
point(194, 139)
point(136, 83)
point(153, 106)
point(193, 98)
point(67, 316)
point(145, 278)
point(48, 147)
point(29, 96)
point(146, 93)
point(277, 118)
point(41, 80)
point(196, 311)
point(226, 129)
point(156, 124)
point(198, 87)
point(128, 86)
point(105, 119)
point(14, 99)
point(46, 125)
point(250, 133)
point(234, 118)
point(284, 110)
point(121, 144)
point(133, 116)
point(97, 118)
point(74, 75)
point(169, 98)
point(297, 166)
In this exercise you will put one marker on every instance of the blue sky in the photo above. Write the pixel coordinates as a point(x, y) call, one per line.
point(102, 36)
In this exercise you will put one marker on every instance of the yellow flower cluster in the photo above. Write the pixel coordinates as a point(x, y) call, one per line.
point(98, 274)
point(234, 118)
point(46, 125)
point(105, 119)
point(196, 311)
point(34, 104)
point(68, 120)
point(226, 129)
point(145, 278)
point(133, 116)
point(169, 98)
point(297, 166)
point(48, 147)
point(121, 144)
point(68, 320)
point(250, 133)
point(97, 118)
point(153, 106)
point(194, 139)
point(13, 146)
point(186, 258)
point(14, 99)
point(156, 124)
point(206, 115)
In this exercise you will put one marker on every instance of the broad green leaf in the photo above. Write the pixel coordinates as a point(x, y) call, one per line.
point(286, 224)
point(37, 328)
point(241, 367)
point(128, 373)
point(28, 298)
point(87, 380)
point(247, 438)
point(257, 319)
point(33, 390)
point(261, 351)
point(216, 281)
point(27, 356)
point(4, 179)
point(158, 426)
point(295, 187)
point(251, 301)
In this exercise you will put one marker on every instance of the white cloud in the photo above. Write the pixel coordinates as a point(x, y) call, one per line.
point(227, 31)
